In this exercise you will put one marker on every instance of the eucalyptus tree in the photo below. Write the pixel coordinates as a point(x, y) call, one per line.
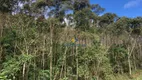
point(6, 7)
point(85, 13)
point(97, 9)
point(107, 19)
point(123, 30)
point(83, 18)
point(122, 26)
point(81, 4)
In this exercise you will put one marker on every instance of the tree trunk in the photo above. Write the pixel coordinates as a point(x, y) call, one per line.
point(51, 50)
point(65, 63)
point(2, 23)
point(129, 56)
point(24, 68)
point(76, 63)
point(129, 63)
point(43, 54)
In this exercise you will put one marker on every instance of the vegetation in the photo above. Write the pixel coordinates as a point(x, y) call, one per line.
point(67, 40)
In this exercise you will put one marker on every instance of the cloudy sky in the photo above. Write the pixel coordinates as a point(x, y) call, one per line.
point(129, 8)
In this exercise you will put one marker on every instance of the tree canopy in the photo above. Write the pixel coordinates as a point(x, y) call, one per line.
point(67, 40)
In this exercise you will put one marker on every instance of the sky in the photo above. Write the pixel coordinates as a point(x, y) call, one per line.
point(128, 8)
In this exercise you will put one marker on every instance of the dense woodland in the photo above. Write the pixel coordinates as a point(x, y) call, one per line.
point(67, 40)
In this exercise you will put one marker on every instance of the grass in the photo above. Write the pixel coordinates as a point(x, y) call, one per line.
point(134, 76)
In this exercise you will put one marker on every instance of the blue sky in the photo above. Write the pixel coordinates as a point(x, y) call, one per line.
point(129, 8)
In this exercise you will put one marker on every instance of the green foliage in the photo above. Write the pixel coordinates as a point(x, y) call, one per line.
point(64, 79)
point(118, 58)
point(8, 41)
point(7, 5)
point(44, 75)
point(83, 18)
point(97, 9)
point(94, 60)
point(79, 5)
point(13, 65)
point(26, 43)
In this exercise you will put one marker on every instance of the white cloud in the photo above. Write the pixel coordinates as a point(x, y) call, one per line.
point(133, 3)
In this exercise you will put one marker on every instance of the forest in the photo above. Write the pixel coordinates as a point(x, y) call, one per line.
point(67, 40)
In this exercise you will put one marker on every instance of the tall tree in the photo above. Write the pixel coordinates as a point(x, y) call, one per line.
point(7, 5)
